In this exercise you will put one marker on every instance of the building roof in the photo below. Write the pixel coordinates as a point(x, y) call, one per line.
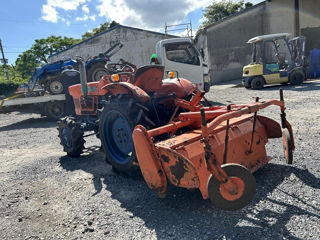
point(269, 37)
point(109, 30)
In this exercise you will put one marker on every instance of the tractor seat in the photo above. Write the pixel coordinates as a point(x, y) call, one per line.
point(149, 78)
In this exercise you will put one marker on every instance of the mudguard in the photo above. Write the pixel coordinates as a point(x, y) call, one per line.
point(127, 88)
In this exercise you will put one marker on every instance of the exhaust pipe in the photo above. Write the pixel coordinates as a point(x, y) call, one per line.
point(83, 77)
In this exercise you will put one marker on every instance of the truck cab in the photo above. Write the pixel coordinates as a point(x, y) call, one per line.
point(181, 56)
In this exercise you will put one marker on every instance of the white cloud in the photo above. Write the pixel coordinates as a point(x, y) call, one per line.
point(84, 18)
point(49, 13)
point(49, 10)
point(85, 9)
point(151, 14)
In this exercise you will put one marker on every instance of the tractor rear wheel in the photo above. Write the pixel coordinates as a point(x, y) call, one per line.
point(257, 83)
point(296, 77)
point(116, 124)
point(96, 72)
point(246, 186)
point(287, 146)
point(71, 137)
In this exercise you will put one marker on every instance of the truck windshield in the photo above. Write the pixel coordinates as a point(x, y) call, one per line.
point(182, 53)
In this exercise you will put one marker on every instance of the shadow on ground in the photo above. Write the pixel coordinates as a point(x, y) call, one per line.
point(306, 86)
point(184, 213)
point(30, 123)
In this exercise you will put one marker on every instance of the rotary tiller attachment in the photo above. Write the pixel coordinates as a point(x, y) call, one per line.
point(215, 150)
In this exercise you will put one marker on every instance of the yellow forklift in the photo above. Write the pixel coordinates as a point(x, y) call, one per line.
point(275, 59)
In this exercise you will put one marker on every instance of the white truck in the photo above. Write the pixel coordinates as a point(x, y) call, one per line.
point(180, 55)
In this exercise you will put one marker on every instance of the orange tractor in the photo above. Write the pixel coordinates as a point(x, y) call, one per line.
point(113, 106)
point(162, 127)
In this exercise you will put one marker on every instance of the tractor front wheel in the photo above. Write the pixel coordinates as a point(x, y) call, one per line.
point(55, 87)
point(245, 183)
point(71, 137)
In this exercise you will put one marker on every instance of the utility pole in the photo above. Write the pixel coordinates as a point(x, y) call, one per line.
point(4, 62)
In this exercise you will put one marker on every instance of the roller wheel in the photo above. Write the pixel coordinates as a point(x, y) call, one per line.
point(71, 137)
point(116, 125)
point(257, 83)
point(246, 185)
point(287, 146)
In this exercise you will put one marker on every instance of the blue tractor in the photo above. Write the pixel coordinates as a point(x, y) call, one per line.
point(48, 76)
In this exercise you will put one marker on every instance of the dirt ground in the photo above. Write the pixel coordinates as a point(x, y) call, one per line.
point(46, 195)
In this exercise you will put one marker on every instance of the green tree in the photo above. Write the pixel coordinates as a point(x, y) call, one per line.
point(25, 63)
point(43, 48)
point(103, 27)
point(220, 10)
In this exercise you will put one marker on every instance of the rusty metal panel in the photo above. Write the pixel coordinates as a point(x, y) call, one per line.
point(179, 170)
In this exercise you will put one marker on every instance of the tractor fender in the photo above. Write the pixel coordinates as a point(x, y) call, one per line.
point(127, 88)
point(180, 86)
point(149, 163)
point(273, 129)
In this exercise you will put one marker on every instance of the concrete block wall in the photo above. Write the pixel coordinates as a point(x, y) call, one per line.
point(226, 43)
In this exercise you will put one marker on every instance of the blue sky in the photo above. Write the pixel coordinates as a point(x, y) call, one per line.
point(23, 21)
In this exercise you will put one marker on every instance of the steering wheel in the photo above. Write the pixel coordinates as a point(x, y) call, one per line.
point(119, 68)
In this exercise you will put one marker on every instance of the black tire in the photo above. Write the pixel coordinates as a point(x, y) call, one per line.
point(71, 137)
point(257, 83)
point(116, 124)
point(55, 87)
point(296, 77)
point(206, 87)
point(54, 110)
point(96, 71)
point(249, 190)
point(287, 146)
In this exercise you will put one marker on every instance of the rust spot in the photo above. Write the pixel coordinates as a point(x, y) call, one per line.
point(165, 158)
point(179, 169)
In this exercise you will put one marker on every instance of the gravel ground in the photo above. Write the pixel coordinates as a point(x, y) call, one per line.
point(46, 195)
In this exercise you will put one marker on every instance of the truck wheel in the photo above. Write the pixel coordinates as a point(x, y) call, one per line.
point(96, 72)
point(296, 77)
point(55, 87)
point(54, 110)
point(206, 87)
point(116, 125)
point(71, 137)
point(257, 83)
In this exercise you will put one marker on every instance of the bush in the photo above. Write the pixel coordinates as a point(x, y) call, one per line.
point(8, 88)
